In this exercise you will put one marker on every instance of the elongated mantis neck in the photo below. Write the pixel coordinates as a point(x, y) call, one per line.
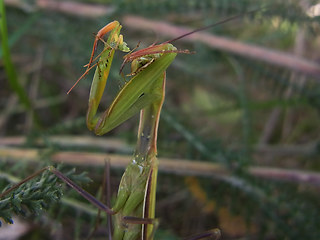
point(148, 128)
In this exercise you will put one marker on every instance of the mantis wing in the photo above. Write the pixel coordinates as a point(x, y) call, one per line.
point(134, 96)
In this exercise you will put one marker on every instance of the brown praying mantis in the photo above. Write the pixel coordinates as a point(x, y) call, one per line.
point(134, 208)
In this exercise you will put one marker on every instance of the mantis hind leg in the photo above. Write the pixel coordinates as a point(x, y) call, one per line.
point(130, 228)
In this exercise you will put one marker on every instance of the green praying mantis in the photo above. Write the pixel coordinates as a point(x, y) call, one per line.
point(144, 92)
point(134, 208)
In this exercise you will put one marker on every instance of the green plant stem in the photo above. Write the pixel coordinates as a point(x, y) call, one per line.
point(8, 65)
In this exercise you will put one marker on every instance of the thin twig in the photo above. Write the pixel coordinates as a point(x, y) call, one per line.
point(67, 7)
point(120, 146)
point(175, 166)
point(79, 142)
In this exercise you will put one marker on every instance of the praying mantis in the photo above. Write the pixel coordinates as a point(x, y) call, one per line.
point(134, 208)
point(144, 92)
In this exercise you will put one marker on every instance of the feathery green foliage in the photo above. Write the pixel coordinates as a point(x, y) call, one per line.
point(33, 196)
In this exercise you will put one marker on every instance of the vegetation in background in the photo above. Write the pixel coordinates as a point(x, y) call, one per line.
point(221, 108)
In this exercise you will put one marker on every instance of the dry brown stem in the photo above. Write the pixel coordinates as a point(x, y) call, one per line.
point(67, 7)
point(175, 166)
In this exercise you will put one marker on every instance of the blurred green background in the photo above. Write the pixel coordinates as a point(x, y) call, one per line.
point(249, 107)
